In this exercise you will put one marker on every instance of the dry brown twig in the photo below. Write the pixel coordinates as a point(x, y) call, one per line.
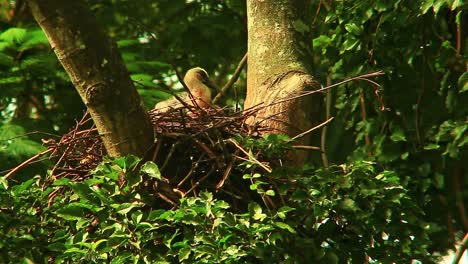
point(233, 79)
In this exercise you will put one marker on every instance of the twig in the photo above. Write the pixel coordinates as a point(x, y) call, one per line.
point(460, 250)
point(459, 36)
point(312, 129)
point(195, 185)
point(169, 155)
point(208, 151)
point(227, 172)
point(156, 151)
point(186, 89)
point(364, 118)
point(30, 133)
point(323, 137)
point(192, 170)
point(25, 163)
point(233, 79)
point(457, 184)
point(363, 77)
point(251, 157)
point(307, 147)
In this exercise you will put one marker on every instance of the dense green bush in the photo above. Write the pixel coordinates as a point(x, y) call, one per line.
point(325, 215)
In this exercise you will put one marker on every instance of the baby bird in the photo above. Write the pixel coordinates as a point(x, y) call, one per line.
point(199, 84)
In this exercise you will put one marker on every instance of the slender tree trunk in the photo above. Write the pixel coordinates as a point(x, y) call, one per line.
point(97, 70)
point(279, 65)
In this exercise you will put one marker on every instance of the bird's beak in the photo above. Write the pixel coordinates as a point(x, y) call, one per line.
point(210, 84)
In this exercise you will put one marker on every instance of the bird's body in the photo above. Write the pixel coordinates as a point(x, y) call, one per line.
point(199, 84)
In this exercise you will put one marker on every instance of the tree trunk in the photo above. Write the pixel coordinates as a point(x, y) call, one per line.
point(97, 70)
point(279, 66)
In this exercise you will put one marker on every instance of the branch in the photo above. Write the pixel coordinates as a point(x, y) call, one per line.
point(363, 77)
point(233, 79)
point(312, 129)
point(460, 250)
point(25, 163)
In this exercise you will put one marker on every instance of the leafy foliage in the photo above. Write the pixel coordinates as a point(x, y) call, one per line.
point(343, 212)
point(419, 129)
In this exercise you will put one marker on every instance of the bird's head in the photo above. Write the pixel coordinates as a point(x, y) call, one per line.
point(196, 77)
point(199, 83)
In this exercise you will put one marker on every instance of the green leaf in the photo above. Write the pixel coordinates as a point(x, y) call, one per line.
point(127, 42)
point(431, 147)
point(456, 4)
point(61, 182)
point(255, 211)
point(151, 169)
point(348, 204)
point(127, 163)
point(285, 227)
point(137, 216)
point(300, 26)
point(350, 43)
point(426, 5)
point(82, 190)
point(438, 5)
point(206, 196)
point(463, 83)
point(286, 209)
point(75, 211)
point(398, 135)
point(33, 39)
point(184, 254)
point(124, 208)
point(246, 176)
point(3, 183)
point(322, 41)
point(353, 28)
point(95, 245)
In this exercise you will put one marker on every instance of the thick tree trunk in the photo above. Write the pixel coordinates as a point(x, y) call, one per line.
point(97, 70)
point(279, 65)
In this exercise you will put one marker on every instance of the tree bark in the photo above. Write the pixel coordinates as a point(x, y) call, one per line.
point(279, 66)
point(96, 69)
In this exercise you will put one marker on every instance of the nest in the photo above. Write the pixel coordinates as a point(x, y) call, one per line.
point(195, 150)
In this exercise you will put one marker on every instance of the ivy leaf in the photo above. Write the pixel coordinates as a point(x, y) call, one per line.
point(82, 190)
point(456, 4)
point(348, 204)
point(300, 26)
point(398, 135)
point(184, 254)
point(431, 147)
point(285, 227)
point(350, 43)
point(75, 211)
point(353, 28)
point(463, 82)
point(152, 170)
point(321, 41)
point(255, 211)
point(426, 5)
